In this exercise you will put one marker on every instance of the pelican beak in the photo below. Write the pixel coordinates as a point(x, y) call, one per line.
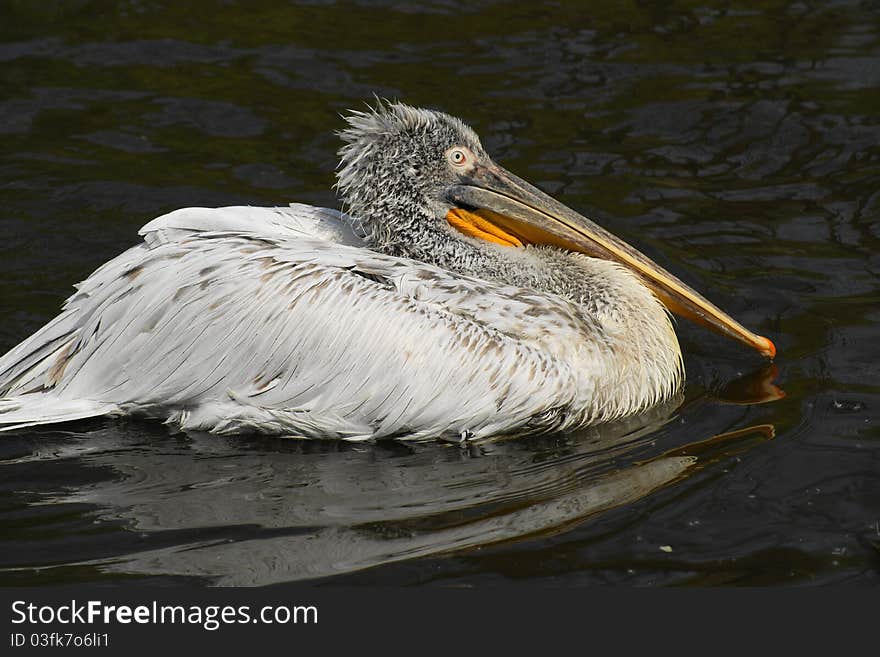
point(493, 204)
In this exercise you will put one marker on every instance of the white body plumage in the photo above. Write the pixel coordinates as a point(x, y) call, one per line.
point(280, 320)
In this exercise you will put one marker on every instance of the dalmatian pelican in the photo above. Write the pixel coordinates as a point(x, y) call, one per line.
point(450, 299)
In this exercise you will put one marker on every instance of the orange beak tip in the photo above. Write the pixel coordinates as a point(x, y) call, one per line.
point(768, 349)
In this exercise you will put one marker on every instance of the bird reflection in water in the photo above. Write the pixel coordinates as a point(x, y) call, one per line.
point(271, 510)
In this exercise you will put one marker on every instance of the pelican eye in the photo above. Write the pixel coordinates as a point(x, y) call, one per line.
point(457, 156)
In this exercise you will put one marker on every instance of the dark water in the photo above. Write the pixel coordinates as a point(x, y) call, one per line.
point(737, 145)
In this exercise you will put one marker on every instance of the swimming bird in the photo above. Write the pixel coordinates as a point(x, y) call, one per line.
point(450, 299)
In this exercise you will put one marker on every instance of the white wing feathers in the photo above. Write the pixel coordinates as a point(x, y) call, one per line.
point(297, 220)
point(271, 320)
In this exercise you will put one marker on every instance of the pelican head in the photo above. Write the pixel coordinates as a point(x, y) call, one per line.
point(424, 187)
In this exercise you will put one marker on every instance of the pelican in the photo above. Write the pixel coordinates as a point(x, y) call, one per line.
point(451, 299)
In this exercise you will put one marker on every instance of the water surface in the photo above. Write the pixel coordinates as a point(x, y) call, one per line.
point(738, 145)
